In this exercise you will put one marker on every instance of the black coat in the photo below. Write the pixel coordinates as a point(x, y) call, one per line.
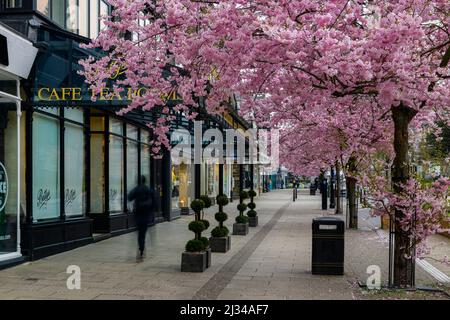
point(144, 202)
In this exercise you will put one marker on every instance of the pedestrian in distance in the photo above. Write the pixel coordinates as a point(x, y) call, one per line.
point(144, 212)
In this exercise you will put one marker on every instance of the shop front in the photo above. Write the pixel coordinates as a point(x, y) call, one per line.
point(183, 177)
point(227, 179)
point(16, 59)
point(82, 159)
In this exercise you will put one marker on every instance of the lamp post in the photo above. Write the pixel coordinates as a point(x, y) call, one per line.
point(332, 194)
point(324, 191)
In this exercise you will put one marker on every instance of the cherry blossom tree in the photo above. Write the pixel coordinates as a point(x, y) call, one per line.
point(375, 57)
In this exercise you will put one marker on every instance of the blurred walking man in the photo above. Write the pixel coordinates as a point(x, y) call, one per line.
point(144, 208)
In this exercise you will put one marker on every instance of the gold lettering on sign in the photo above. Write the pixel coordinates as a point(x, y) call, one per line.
point(54, 95)
point(76, 94)
point(41, 93)
point(106, 94)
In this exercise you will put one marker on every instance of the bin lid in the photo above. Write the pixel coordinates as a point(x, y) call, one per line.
point(327, 218)
point(319, 223)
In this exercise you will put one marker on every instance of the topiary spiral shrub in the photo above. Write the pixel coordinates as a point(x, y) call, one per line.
point(251, 213)
point(207, 201)
point(197, 226)
point(219, 232)
point(221, 217)
point(241, 218)
point(194, 246)
point(241, 207)
point(252, 205)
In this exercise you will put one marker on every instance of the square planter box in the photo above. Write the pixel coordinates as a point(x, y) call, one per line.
point(222, 244)
point(253, 221)
point(240, 229)
point(194, 261)
point(208, 257)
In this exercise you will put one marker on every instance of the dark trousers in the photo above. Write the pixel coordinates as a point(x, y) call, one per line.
point(142, 226)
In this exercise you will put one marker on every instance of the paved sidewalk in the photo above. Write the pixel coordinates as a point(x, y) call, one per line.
point(272, 262)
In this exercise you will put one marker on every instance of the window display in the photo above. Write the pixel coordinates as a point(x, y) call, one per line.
point(132, 168)
point(116, 174)
point(8, 185)
point(97, 204)
point(181, 186)
point(46, 195)
point(74, 197)
point(145, 157)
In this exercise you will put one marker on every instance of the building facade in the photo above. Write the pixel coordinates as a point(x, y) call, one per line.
point(70, 161)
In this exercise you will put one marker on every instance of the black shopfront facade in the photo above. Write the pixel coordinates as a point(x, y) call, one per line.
point(79, 158)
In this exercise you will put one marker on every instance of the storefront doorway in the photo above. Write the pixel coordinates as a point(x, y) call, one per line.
point(17, 57)
point(11, 183)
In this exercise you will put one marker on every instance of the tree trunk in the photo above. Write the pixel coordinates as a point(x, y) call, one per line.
point(351, 194)
point(403, 259)
point(352, 209)
point(338, 189)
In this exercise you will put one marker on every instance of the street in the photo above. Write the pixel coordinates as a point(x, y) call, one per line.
point(272, 262)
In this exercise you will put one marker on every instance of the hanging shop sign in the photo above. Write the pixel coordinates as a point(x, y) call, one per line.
point(17, 54)
point(48, 94)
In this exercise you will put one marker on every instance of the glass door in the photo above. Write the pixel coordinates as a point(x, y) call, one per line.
point(10, 168)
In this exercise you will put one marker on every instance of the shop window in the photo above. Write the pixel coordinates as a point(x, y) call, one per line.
point(93, 18)
point(43, 6)
point(157, 169)
point(116, 174)
point(58, 12)
point(145, 163)
point(8, 182)
point(74, 114)
point(145, 136)
point(212, 179)
point(132, 167)
point(116, 126)
point(104, 11)
point(97, 183)
point(46, 165)
point(227, 178)
point(13, 4)
point(83, 28)
point(175, 193)
point(132, 132)
point(97, 123)
point(182, 186)
point(74, 189)
point(185, 185)
point(72, 16)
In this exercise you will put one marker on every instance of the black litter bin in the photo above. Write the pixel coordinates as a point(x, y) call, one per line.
point(328, 246)
point(312, 190)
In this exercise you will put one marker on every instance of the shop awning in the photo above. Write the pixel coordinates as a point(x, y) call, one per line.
point(16, 52)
